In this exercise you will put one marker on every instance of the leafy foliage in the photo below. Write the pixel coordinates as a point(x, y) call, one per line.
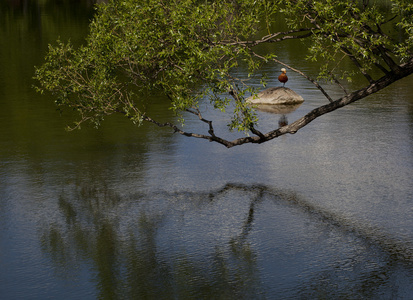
point(138, 46)
point(188, 50)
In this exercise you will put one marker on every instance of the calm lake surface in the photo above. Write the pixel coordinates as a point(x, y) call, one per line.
point(140, 213)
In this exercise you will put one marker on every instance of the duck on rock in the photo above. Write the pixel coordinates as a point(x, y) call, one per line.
point(283, 77)
point(279, 95)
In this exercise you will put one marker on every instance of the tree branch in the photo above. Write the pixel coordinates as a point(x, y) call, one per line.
point(404, 70)
point(270, 38)
point(196, 112)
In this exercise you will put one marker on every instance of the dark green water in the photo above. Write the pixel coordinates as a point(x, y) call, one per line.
point(139, 213)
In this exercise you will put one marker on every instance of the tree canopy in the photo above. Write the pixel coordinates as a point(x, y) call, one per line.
point(189, 51)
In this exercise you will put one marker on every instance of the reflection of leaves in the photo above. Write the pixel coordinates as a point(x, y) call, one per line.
point(334, 283)
point(54, 243)
point(134, 253)
point(126, 256)
point(67, 209)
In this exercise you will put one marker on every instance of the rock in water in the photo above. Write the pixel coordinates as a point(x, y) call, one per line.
point(280, 109)
point(276, 95)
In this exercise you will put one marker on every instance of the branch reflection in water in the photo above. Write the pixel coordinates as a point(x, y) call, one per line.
point(221, 244)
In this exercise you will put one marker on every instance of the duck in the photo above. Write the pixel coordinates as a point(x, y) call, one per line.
point(283, 77)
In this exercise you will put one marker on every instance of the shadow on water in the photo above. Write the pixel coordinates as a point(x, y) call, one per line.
point(184, 245)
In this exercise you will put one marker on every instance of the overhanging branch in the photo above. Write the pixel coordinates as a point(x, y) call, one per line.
point(403, 71)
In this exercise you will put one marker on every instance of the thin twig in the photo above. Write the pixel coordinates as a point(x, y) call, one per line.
point(301, 73)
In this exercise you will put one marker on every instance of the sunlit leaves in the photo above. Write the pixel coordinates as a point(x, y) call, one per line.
point(170, 47)
point(404, 9)
point(359, 30)
point(190, 51)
